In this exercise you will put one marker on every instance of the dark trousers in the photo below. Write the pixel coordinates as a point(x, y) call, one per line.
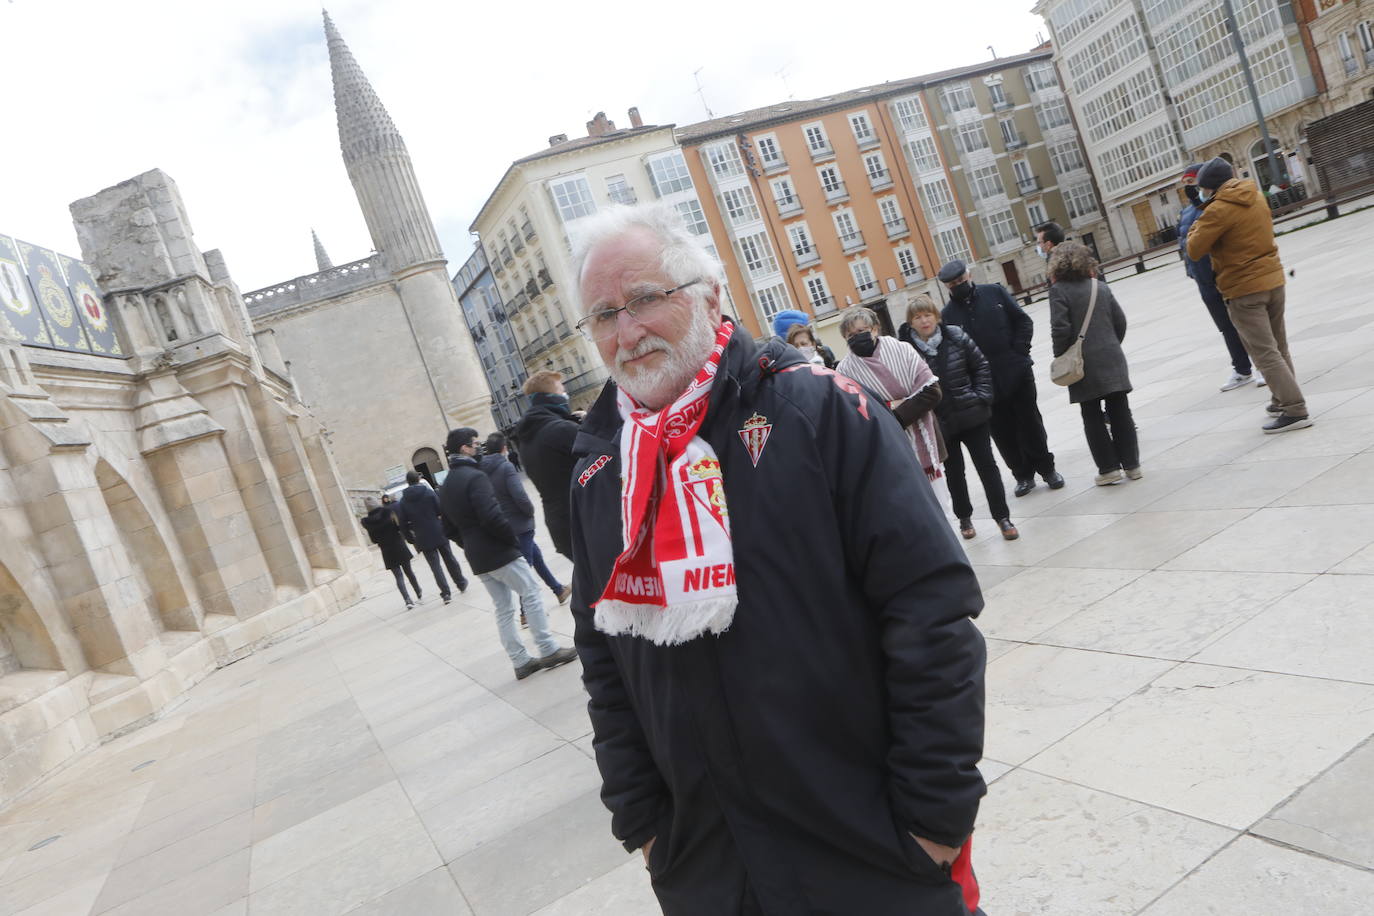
point(401, 582)
point(978, 441)
point(1216, 307)
point(1020, 433)
point(1115, 448)
point(444, 553)
point(535, 557)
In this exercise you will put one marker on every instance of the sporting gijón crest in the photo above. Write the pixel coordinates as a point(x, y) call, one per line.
point(754, 434)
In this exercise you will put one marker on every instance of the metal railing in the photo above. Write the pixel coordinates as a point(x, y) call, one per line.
point(518, 244)
point(821, 152)
point(852, 241)
point(1350, 65)
point(624, 196)
point(916, 277)
point(545, 281)
point(1003, 105)
point(838, 192)
point(822, 304)
point(1368, 56)
point(868, 142)
point(867, 290)
point(895, 228)
point(880, 179)
point(506, 256)
point(806, 255)
point(528, 229)
point(1028, 185)
point(592, 378)
point(770, 166)
point(1016, 143)
point(788, 205)
point(532, 289)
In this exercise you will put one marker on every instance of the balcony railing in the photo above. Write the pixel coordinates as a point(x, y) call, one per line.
point(868, 141)
point(562, 330)
point(497, 267)
point(527, 228)
point(506, 256)
point(806, 255)
point(836, 192)
point(772, 166)
point(915, 277)
point(788, 205)
point(592, 378)
point(517, 244)
point(880, 179)
point(821, 152)
point(1368, 57)
point(822, 304)
point(624, 196)
point(532, 289)
point(1350, 65)
point(519, 301)
point(1016, 143)
point(545, 281)
point(547, 339)
point(1028, 185)
point(852, 241)
point(895, 228)
point(867, 290)
point(1002, 105)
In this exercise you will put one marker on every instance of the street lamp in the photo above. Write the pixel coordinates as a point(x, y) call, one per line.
point(1254, 94)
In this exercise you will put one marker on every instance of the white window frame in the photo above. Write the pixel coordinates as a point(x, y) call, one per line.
point(1010, 135)
point(938, 199)
point(957, 97)
point(817, 141)
point(1080, 200)
point(572, 197)
point(924, 154)
point(693, 216)
point(996, 94)
point(844, 224)
point(1035, 214)
point(862, 127)
point(771, 300)
point(834, 170)
point(881, 171)
point(779, 185)
point(762, 254)
point(723, 160)
point(769, 141)
point(818, 291)
point(889, 209)
point(986, 181)
point(860, 268)
point(910, 113)
point(906, 253)
point(952, 243)
point(1058, 108)
point(739, 205)
point(668, 173)
point(799, 237)
point(618, 188)
point(970, 131)
point(1000, 227)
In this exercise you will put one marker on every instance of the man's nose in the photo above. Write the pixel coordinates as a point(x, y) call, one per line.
point(629, 332)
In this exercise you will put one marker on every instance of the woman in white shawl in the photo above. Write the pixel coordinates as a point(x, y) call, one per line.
point(896, 372)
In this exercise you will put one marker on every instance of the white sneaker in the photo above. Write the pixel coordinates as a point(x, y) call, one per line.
point(1236, 380)
point(1259, 379)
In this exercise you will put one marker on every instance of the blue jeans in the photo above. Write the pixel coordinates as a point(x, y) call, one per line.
point(536, 560)
point(503, 584)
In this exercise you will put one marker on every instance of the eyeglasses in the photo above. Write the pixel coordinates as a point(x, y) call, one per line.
point(601, 325)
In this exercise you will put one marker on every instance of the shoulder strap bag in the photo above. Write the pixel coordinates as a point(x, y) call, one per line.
point(1067, 368)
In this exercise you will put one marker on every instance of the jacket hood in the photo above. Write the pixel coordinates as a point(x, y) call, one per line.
point(378, 514)
point(487, 462)
point(743, 366)
point(1241, 192)
point(461, 460)
point(543, 409)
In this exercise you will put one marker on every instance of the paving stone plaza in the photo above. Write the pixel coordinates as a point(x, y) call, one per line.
point(1180, 693)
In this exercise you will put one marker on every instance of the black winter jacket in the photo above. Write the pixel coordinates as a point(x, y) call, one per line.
point(965, 379)
point(510, 492)
point(382, 527)
point(473, 515)
point(791, 755)
point(418, 513)
point(546, 434)
point(1001, 329)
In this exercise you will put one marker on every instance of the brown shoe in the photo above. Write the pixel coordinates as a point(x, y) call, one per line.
point(1009, 531)
point(966, 529)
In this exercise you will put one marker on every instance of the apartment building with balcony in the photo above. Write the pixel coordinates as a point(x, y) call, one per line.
point(497, 350)
point(859, 197)
point(1156, 84)
point(526, 223)
point(1342, 35)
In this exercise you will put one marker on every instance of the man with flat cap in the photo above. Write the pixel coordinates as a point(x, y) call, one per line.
point(1003, 331)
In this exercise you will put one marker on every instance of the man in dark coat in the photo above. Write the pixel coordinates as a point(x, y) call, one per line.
point(473, 515)
point(515, 503)
point(1003, 332)
point(385, 531)
point(775, 743)
point(546, 433)
point(418, 513)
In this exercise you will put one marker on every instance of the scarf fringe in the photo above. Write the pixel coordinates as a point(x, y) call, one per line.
point(666, 626)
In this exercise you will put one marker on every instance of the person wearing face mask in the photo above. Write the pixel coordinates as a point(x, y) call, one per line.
point(546, 434)
point(1200, 271)
point(802, 337)
point(1003, 332)
point(1237, 230)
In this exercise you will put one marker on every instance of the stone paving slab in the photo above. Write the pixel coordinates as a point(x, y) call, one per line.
point(1180, 693)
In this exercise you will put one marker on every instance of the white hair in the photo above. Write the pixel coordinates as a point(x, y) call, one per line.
point(684, 257)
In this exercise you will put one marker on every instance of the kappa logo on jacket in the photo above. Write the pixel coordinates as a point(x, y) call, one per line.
point(754, 434)
point(595, 466)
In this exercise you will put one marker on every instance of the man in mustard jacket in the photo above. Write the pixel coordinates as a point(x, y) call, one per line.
point(1235, 228)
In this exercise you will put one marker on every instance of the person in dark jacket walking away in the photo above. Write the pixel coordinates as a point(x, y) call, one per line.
point(469, 506)
point(418, 514)
point(963, 412)
point(1237, 230)
point(546, 433)
point(382, 527)
point(515, 503)
point(1200, 272)
point(1106, 382)
point(1003, 332)
point(771, 743)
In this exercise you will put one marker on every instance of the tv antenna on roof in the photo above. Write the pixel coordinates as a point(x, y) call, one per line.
point(701, 93)
point(782, 75)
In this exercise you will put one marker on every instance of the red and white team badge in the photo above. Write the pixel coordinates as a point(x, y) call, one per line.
point(754, 434)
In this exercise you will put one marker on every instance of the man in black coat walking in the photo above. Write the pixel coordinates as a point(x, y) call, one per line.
point(1003, 332)
point(418, 513)
point(515, 502)
point(473, 515)
point(772, 742)
point(546, 434)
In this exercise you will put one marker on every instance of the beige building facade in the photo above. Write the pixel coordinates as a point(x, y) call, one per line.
point(527, 224)
point(378, 347)
point(168, 503)
point(1343, 40)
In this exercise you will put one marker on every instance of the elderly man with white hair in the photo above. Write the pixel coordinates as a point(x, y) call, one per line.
point(774, 620)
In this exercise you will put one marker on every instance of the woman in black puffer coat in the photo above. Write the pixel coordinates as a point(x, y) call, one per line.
point(385, 531)
point(963, 411)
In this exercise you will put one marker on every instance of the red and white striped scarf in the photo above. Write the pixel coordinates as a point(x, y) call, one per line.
point(675, 579)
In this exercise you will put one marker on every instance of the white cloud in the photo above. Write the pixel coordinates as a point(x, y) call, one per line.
point(234, 101)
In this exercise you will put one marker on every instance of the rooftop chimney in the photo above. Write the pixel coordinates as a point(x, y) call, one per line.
point(600, 126)
point(557, 139)
point(635, 119)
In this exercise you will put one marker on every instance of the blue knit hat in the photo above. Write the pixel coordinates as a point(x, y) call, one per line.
point(783, 321)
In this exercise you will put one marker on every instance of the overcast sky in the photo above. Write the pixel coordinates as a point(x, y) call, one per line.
point(234, 100)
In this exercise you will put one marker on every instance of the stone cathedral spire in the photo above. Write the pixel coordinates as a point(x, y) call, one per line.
point(322, 261)
point(379, 165)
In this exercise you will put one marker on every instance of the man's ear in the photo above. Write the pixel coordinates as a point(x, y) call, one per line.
point(713, 302)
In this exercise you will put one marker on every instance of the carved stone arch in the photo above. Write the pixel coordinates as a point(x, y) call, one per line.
point(152, 579)
point(24, 638)
point(427, 461)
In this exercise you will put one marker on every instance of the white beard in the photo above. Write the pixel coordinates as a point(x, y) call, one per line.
point(656, 388)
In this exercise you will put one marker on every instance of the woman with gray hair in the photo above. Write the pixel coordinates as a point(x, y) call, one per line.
point(895, 371)
point(1106, 383)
